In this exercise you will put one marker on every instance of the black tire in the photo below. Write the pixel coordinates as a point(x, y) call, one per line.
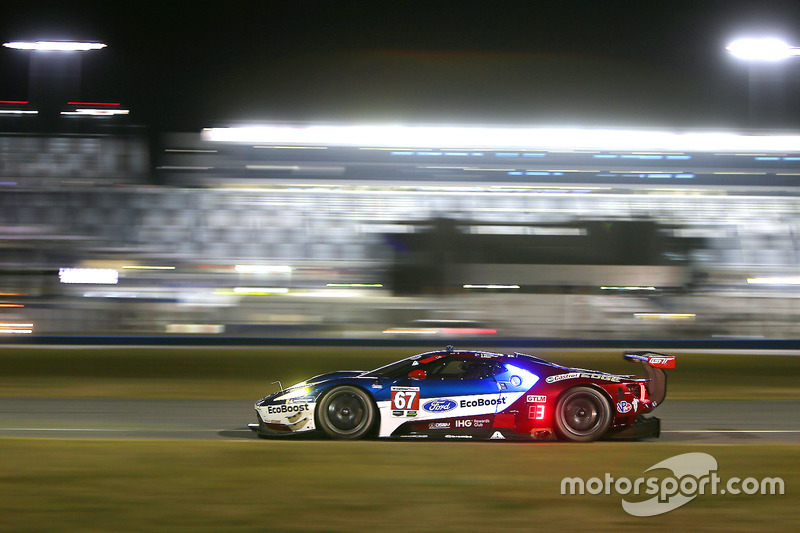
point(346, 413)
point(583, 414)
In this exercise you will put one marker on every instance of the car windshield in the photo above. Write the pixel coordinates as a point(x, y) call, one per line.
point(393, 370)
point(438, 367)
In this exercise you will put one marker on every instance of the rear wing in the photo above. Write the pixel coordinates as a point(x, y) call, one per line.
point(653, 359)
point(654, 364)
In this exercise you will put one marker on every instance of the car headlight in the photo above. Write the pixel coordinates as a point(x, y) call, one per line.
point(294, 394)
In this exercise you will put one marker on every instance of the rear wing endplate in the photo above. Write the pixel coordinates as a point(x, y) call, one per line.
point(654, 364)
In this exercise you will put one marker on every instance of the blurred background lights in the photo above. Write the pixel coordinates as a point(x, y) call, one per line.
point(16, 328)
point(762, 49)
point(55, 46)
point(97, 276)
point(491, 138)
point(777, 280)
point(263, 269)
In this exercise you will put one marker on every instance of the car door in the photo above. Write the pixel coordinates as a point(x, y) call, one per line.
point(458, 387)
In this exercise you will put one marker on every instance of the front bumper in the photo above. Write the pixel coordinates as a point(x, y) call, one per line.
point(283, 419)
point(269, 430)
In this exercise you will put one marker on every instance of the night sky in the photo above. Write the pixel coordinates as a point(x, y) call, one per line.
point(187, 65)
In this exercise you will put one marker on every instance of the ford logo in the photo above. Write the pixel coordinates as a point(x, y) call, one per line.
point(438, 406)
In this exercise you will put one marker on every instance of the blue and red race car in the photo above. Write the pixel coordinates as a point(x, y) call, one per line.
point(454, 394)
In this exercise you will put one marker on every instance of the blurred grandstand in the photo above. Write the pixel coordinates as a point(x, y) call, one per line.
point(328, 240)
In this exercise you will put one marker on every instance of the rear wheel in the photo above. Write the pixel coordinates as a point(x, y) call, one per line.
point(346, 413)
point(583, 414)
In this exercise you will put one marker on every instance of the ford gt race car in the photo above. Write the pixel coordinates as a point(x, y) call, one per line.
point(453, 394)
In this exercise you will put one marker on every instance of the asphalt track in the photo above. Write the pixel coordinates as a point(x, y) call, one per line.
point(698, 421)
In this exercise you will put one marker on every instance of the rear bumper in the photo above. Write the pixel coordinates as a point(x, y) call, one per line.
point(645, 427)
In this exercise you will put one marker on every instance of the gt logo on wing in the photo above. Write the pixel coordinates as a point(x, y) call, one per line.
point(661, 361)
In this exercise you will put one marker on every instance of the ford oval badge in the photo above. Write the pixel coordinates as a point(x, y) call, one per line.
point(439, 406)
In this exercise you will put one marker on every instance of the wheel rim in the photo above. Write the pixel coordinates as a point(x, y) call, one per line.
point(346, 412)
point(582, 414)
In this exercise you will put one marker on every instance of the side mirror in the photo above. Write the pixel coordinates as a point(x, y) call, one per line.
point(417, 374)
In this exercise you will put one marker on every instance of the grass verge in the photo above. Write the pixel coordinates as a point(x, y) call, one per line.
point(309, 486)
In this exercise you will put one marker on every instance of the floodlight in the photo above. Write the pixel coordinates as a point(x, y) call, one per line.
point(55, 46)
point(762, 49)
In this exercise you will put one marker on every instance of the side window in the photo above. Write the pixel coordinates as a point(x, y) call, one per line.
point(475, 369)
point(452, 368)
point(445, 368)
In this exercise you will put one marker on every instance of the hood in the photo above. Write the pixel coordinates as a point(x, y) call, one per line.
point(333, 375)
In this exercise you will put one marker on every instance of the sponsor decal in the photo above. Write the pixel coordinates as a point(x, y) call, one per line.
point(481, 402)
point(661, 361)
point(405, 399)
point(561, 377)
point(439, 425)
point(472, 423)
point(411, 413)
point(458, 436)
point(481, 422)
point(624, 407)
point(497, 436)
point(536, 399)
point(439, 405)
point(635, 404)
point(583, 375)
point(280, 409)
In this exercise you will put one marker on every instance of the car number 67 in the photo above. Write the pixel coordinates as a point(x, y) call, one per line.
point(405, 399)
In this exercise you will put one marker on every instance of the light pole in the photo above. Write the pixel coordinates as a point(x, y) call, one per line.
point(762, 55)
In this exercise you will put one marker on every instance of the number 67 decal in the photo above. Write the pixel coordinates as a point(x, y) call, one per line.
point(405, 398)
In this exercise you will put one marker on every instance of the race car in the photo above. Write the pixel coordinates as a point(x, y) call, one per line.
point(455, 394)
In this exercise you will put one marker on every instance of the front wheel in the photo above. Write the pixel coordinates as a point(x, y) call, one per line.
point(583, 414)
point(346, 413)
